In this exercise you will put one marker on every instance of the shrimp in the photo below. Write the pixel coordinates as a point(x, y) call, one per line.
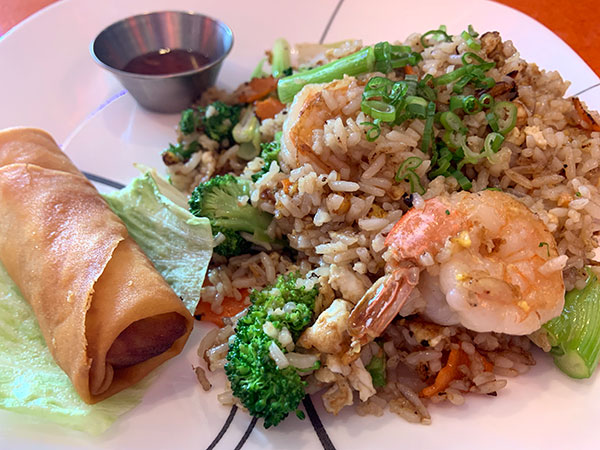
point(311, 108)
point(483, 260)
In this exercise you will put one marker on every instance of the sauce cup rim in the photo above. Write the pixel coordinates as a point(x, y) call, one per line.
point(202, 68)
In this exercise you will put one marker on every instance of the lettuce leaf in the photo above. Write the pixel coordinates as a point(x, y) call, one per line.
point(179, 245)
point(177, 242)
point(30, 380)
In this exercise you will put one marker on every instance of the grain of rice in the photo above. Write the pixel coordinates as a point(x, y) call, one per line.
point(375, 167)
point(344, 186)
point(338, 220)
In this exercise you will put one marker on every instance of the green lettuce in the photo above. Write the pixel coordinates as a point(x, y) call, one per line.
point(32, 383)
point(178, 243)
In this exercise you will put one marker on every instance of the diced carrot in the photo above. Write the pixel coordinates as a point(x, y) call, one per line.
point(286, 185)
point(585, 116)
point(257, 88)
point(231, 307)
point(267, 108)
point(487, 365)
point(408, 70)
point(448, 373)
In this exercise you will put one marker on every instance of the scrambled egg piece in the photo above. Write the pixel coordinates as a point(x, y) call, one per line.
point(329, 334)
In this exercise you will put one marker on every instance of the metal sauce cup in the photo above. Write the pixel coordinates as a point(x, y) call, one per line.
point(121, 42)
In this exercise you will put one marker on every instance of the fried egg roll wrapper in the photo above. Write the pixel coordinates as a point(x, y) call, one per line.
point(107, 315)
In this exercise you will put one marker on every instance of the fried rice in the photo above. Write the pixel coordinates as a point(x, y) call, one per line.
point(337, 220)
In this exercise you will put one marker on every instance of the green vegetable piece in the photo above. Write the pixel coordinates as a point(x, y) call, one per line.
point(218, 199)
point(406, 171)
point(264, 389)
point(505, 117)
point(377, 369)
point(269, 153)
point(374, 130)
point(439, 34)
point(178, 244)
point(575, 334)
point(247, 133)
point(218, 119)
point(470, 40)
point(34, 385)
point(189, 122)
point(382, 57)
point(280, 59)
point(233, 245)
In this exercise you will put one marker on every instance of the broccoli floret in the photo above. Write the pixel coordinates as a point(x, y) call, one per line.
point(189, 122)
point(218, 199)
point(269, 153)
point(264, 389)
point(233, 245)
point(218, 120)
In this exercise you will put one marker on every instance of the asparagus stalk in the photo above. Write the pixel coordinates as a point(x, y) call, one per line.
point(382, 57)
point(575, 334)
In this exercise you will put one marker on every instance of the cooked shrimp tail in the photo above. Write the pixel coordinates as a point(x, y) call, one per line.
point(381, 303)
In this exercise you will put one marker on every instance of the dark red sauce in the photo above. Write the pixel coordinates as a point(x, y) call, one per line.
point(166, 61)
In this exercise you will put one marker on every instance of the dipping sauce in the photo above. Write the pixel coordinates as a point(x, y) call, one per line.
point(166, 61)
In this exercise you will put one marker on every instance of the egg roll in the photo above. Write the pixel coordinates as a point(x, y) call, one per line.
point(107, 315)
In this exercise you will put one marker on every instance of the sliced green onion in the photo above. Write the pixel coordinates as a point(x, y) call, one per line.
point(575, 334)
point(379, 110)
point(444, 159)
point(397, 92)
point(474, 57)
point(377, 87)
point(374, 131)
point(506, 116)
point(450, 76)
point(456, 102)
point(471, 104)
point(486, 100)
point(470, 41)
point(401, 118)
point(406, 171)
point(492, 144)
point(428, 131)
point(426, 91)
point(463, 181)
point(436, 33)
point(383, 53)
point(472, 31)
point(452, 122)
point(452, 139)
point(492, 120)
point(417, 106)
point(459, 86)
point(485, 83)
point(471, 157)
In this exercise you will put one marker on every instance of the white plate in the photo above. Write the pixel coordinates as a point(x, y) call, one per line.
point(48, 80)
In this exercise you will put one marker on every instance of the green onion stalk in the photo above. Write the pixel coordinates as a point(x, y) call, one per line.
point(381, 57)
